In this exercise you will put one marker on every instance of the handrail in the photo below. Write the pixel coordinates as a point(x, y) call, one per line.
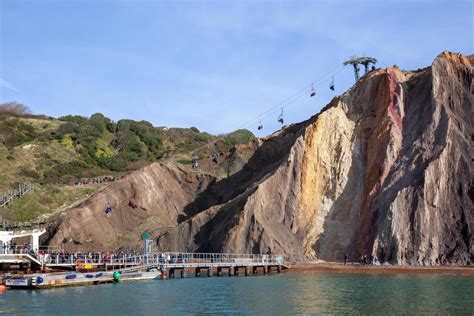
point(187, 259)
point(12, 225)
point(22, 189)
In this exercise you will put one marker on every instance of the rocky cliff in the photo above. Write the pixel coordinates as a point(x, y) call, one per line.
point(386, 168)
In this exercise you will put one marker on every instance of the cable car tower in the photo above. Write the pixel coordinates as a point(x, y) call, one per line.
point(362, 60)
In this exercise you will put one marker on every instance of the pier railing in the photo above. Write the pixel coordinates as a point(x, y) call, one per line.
point(216, 259)
point(178, 259)
point(53, 256)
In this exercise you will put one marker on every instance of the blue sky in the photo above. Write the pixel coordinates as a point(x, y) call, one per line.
point(211, 64)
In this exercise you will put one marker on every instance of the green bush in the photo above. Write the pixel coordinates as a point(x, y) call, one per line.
point(29, 173)
point(184, 161)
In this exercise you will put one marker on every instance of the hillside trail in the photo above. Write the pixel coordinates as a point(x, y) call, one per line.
point(66, 207)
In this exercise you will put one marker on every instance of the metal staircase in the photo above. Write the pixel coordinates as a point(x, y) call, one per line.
point(22, 189)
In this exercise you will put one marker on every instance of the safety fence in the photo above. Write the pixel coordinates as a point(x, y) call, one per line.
point(22, 189)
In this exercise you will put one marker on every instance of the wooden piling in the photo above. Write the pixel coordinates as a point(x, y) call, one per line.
point(209, 272)
point(198, 272)
point(246, 271)
point(219, 271)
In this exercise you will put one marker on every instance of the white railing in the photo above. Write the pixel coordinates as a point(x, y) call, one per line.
point(179, 259)
point(19, 191)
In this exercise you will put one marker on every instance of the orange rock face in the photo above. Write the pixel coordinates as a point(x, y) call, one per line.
point(385, 169)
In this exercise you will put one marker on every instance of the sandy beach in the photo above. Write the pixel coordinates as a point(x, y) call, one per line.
point(385, 269)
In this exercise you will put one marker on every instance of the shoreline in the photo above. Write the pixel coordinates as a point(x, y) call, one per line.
point(355, 268)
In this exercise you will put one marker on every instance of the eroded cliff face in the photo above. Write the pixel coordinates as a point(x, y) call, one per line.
point(386, 169)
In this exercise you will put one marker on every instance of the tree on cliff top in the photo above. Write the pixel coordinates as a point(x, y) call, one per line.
point(14, 108)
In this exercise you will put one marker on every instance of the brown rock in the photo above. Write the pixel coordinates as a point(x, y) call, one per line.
point(385, 169)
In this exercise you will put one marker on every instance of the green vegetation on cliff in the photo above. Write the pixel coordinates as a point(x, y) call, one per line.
point(53, 153)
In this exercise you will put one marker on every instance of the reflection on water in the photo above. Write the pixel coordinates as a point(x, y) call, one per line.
point(287, 293)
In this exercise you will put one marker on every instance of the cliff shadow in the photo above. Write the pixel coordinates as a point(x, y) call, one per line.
point(266, 160)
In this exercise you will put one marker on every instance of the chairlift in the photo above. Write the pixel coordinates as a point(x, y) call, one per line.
point(331, 85)
point(215, 158)
point(313, 91)
point(260, 124)
point(280, 117)
point(108, 210)
point(195, 163)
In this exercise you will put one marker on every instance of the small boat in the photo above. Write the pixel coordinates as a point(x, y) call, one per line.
point(48, 280)
point(140, 275)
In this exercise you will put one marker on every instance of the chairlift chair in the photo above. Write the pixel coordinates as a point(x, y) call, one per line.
point(280, 117)
point(313, 91)
point(108, 210)
point(215, 158)
point(260, 124)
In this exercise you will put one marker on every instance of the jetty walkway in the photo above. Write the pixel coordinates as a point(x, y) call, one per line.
point(171, 264)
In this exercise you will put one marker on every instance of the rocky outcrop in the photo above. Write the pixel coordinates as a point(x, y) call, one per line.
point(385, 169)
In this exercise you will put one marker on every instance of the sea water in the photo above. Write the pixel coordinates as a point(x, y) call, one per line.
point(285, 293)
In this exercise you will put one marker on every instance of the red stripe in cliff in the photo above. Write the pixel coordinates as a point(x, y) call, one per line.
point(395, 101)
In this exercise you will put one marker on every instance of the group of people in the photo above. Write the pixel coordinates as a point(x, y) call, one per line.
point(368, 260)
point(96, 180)
point(10, 247)
point(92, 257)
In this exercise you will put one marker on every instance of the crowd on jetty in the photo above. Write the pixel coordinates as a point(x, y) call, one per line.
point(90, 257)
point(63, 256)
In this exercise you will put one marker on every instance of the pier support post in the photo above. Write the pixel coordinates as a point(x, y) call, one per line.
point(269, 269)
point(209, 272)
point(254, 270)
point(265, 269)
point(231, 271)
point(219, 271)
point(279, 269)
point(198, 272)
point(236, 271)
point(246, 271)
point(171, 273)
point(183, 273)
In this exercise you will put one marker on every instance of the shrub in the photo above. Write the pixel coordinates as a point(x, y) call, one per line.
point(15, 108)
point(29, 173)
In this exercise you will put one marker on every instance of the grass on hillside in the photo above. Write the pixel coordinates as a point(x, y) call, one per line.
point(44, 200)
